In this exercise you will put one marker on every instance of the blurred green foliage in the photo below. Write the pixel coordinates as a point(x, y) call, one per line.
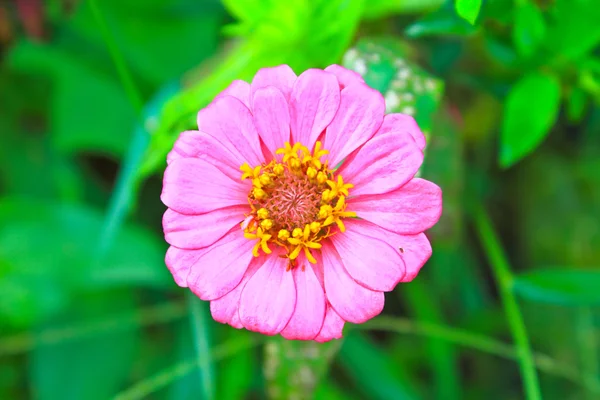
point(507, 91)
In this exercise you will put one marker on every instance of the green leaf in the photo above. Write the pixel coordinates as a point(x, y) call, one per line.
point(529, 28)
point(577, 104)
point(443, 22)
point(468, 9)
point(531, 109)
point(406, 88)
point(89, 110)
point(383, 8)
point(560, 286)
point(88, 368)
point(159, 39)
point(46, 257)
point(574, 29)
point(301, 34)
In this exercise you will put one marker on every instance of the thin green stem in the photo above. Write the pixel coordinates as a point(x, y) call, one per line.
point(146, 387)
point(478, 342)
point(122, 70)
point(504, 280)
point(198, 320)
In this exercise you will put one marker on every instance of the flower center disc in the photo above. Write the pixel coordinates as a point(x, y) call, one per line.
point(295, 203)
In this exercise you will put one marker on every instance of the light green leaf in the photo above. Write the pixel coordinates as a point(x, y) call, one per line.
point(531, 109)
point(301, 34)
point(529, 28)
point(574, 31)
point(468, 9)
point(561, 286)
point(383, 8)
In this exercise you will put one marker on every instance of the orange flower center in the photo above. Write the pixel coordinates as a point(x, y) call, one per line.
point(295, 203)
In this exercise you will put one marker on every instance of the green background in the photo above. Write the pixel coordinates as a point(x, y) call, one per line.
point(93, 94)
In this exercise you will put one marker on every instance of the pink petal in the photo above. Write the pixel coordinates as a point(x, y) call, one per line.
point(193, 186)
point(225, 309)
point(314, 101)
point(402, 124)
point(272, 117)
point(352, 301)
point(238, 89)
point(269, 298)
point(368, 260)
point(197, 231)
point(221, 268)
point(201, 145)
point(281, 77)
point(416, 251)
point(229, 121)
point(358, 118)
point(332, 327)
point(383, 164)
point(345, 76)
point(412, 209)
point(307, 320)
point(180, 261)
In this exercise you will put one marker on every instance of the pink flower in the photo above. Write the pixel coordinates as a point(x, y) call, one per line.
point(294, 206)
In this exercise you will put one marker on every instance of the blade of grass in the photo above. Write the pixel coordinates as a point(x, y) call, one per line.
point(478, 342)
point(143, 389)
point(588, 350)
point(117, 57)
point(504, 280)
point(197, 313)
point(154, 315)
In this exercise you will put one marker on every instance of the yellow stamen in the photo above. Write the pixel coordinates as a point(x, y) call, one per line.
point(259, 193)
point(262, 241)
point(266, 224)
point(283, 234)
point(264, 179)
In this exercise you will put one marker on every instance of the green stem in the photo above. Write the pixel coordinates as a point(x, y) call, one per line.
point(478, 342)
point(198, 320)
point(122, 70)
point(504, 280)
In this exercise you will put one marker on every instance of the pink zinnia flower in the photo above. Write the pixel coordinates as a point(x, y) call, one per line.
point(294, 205)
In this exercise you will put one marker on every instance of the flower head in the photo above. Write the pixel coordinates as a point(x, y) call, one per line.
point(294, 205)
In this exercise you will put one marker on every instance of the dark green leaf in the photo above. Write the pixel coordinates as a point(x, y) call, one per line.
point(531, 110)
point(561, 286)
point(46, 256)
point(89, 110)
point(87, 368)
point(576, 104)
point(468, 9)
point(443, 22)
point(529, 28)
